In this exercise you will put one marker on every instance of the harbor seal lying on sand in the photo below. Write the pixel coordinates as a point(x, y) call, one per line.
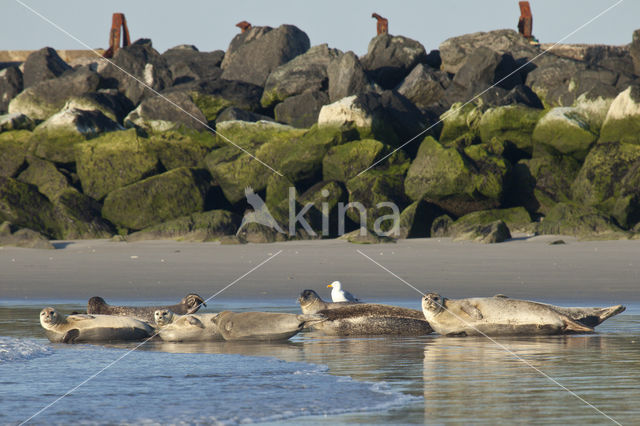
point(189, 305)
point(590, 317)
point(495, 316)
point(311, 303)
point(186, 328)
point(91, 328)
point(265, 326)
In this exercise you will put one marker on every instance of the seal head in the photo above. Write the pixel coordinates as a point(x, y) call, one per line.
point(433, 303)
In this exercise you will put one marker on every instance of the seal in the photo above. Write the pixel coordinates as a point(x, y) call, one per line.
point(340, 295)
point(589, 316)
point(363, 319)
point(186, 328)
point(311, 303)
point(188, 305)
point(92, 328)
point(495, 316)
point(264, 326)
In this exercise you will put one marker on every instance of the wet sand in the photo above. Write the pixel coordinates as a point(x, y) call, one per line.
point(601, 272)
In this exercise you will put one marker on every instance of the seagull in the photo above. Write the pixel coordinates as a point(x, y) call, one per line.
point(340, 295)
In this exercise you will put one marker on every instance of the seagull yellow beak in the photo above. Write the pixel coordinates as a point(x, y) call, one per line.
point(330, 285)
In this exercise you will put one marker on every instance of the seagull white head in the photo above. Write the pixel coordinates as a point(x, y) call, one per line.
point(336, 285)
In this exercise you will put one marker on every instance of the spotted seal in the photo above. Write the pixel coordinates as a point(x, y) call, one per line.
point(188, 305)
point(311, 303)
point(265, 326)
point(186, 328)
point(92, 328)
point(495, 316)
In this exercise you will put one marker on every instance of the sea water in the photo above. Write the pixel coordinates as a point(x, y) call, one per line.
point(316, 379)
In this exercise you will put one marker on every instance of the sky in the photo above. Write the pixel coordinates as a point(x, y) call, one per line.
point(343, 24)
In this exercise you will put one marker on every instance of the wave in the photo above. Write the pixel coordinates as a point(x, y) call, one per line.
point(12, 349)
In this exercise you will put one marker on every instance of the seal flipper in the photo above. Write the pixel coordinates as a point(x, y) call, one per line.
point(471, 310)
point(574, 326)
point(71, 335)
point(195, 321)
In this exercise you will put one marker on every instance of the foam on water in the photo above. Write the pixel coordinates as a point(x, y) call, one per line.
point(12, 349)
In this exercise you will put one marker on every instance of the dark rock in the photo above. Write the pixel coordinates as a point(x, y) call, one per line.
point(519, 95)
point(425, 86)
point(212, 96)
point(10, 86)
point(76, 123)
point(433, 59)
point(11, 235)
point(254, 54)
point(495, 232)
point(301, 110)
point(516, 218)
point(304, 73)
point(390, 58)
point(634, 51)
point(405, 119)
point(143, 62)
point(233, 113)
point(346, 77)
point(324, 216)
point(110, 102)
point(43, 65)
point(15, 122)
point(186, 63)
point(440, 228)
point(79, 216)
point(196, 227)
point(416, 220)
point(577, 220)
point(156, 114)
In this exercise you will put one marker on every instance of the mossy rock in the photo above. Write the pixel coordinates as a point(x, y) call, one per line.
point(458, 181)
point(365, 236)
point(516, 218)
point(576, 220)
point(182, 148)
point(564, 131)
point(196, 227)
point(11, 235)
point(344, 162)
point(460, 122)
point(622, 123)
point(154, 200)
point(441, 226)
point(79, 216)
point(416, 219)
point(254, 232)
point(324, 216)
point(512, 123)
point(13, 151)
point(58, 146)
point(277, 198)
point(113, 161)
point(45, 176)
point(210, 105)
point(491, 233)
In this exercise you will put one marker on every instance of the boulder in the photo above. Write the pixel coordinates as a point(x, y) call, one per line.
point(390, 58)
point(196, 227)
point(155, 114)
point(143, 62)
point(460, 124)
point(346, 77)
point(11, 235)
point(622, 123)
point(40, 101)
point(424, 86)
point(564, 131)
point(110, 102)
point(494, 232)
point(154, 200)
point(576, 220)
point(77, 122)
point(454, 51)
point(44, 64)
point(512, 124)
point(254, 54)
point(302, 110)
point(482, 68)
point(594, 105)
point(186, 63)
point(15, 122)
point(213, 96)
point(324, 216)
point(305, 73)
point(516, 218)
point(45, 176)
point(519, 95)
point(440, 228)
point(459, 182)
point(416, 220)
point(79, 216)
point(237, 114)
point(365, 236)
point(113, 161)
point(634, 50)
point(13, 150)
point(183, 148)
point(22, 205)
point(10, 86)
point(345, 161)
point(255, 232)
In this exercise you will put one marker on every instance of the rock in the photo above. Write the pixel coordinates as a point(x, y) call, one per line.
point(460, 124)
point(213, 96)
point(458, 182)
point(254, 54)
point(13, 151)
point(237, 114)
point(440, 228)
point(154, 200)
point(406, 121)
point(113, 161)
point(110, 102)
point(42, 65)
point(175, 149)
point(22, 205)
point(79, 216)
point(15, 122)
point(186, 63)
point(455, 50)
point(390, 58)
point(254, 232)
point(495, 232)
point(45, 176)
point(345, 161)
point(42, 100)
point(622, 121)
point(10, 86)
point(594, 105)
point(196, 227)
point(346, 77)
point(482, 68)
point(305, 73)
point(77, 122)
point(13, 236)
point(564, 131)
point(512, 124)
point(143, 62)
point(634, 50)
point(416, 220)
point(576, 220)
point(424, 86)
point(157, 115)
point(302, 110)
point(516, 218)
point(364, 236)
point(324, 216)
point(519, 95)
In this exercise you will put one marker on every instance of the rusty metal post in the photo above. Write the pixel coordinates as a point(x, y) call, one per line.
point(382, 27)
point(244, 26)
point(525, 23)
point(119, 30)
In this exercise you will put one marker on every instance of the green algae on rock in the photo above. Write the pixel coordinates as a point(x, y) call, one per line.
point(622, 123)
point(577, 220)
point(196, 227)
point(13, 151)
point(511, 123)
point(564, 131)
point(344, 162)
